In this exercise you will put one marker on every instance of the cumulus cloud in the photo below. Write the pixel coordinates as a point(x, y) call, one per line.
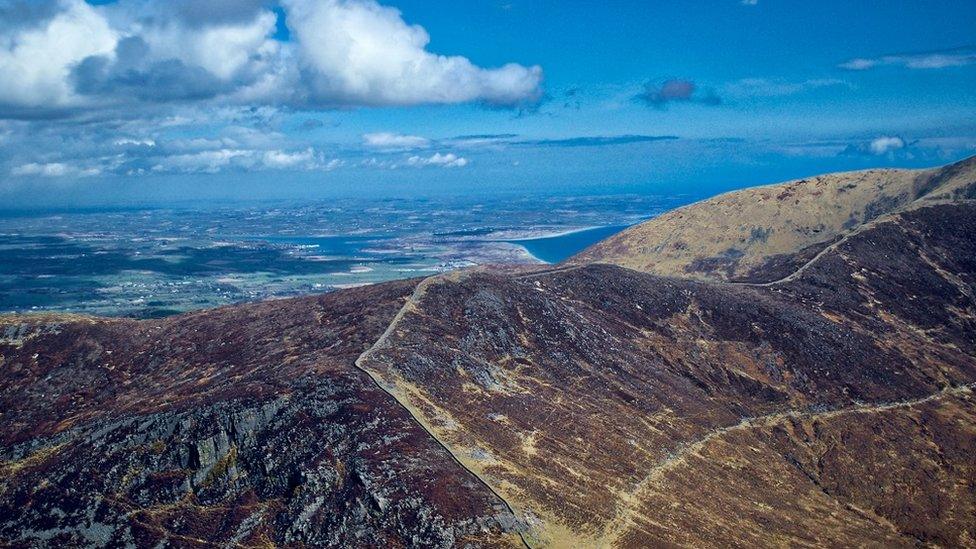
point(677, 90)
point(203, 161)
point(134, 142)
point(224, 50)
point(169, 80)
point(449, 160)
point(359, 52)
point(77, 56)
point(929, 150)
point(150, 86)
point(940, 59)
point(394, 142)
point(143, 147)
point(307, 159)
point(36, 57)
point(213, 161)
point(68, 54)
point(885, 145)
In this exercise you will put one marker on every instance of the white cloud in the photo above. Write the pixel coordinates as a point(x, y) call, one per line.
point(126, 148)
point(342, 53)
point(884, 145)
point(859, 64)
point(939, 61)
point(926, 60)
point(145, 86)
point(53, 169)
point(306, 160)
point(449, 160)
point(361, 53)
point(217, 160)
point(204, 161)
point(394, 141)
point(890, 146)
point(374, 162)
point(129, 142)
point(35, 61)
point(287, 160)
point(223, 50)
point(763, 87)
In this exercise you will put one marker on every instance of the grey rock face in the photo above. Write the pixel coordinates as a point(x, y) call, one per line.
point(240, 426)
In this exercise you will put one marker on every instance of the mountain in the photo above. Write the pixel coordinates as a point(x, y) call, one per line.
point(769, 231)
point(814, 390)
point(245, 425)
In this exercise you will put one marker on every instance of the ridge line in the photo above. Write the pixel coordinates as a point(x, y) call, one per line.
point(411, 302)
point(917, 204)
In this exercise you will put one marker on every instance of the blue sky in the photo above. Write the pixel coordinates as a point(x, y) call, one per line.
point(139, 100)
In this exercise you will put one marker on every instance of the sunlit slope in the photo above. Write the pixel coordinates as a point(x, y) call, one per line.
point(736, 235)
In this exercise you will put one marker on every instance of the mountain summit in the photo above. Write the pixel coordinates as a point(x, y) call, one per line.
point(765, 231)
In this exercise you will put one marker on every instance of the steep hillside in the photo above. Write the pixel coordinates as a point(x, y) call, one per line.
point(245, 426)
point(828, 403)
point(768, 231)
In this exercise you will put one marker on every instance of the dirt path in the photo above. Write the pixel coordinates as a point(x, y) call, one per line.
point(676, 458)
point(629, 505)
point(410, 305)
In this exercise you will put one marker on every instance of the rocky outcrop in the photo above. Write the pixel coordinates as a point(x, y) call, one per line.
point(238, 427)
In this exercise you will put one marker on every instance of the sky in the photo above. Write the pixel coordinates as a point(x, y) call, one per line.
point(146, 101)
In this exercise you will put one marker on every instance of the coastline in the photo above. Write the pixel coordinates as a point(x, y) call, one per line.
point(554, 248)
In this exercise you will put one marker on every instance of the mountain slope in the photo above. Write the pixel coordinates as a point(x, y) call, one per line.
point(766, 231)
point(245, 425)
point(828, 403)
point(611, 407)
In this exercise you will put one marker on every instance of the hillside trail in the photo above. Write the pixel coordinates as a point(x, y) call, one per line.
point(680, 455)
point(383, 342)
point(631, 500)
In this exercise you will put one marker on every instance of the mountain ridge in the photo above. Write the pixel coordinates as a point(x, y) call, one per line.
point(732, 236)
point(577, 404)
